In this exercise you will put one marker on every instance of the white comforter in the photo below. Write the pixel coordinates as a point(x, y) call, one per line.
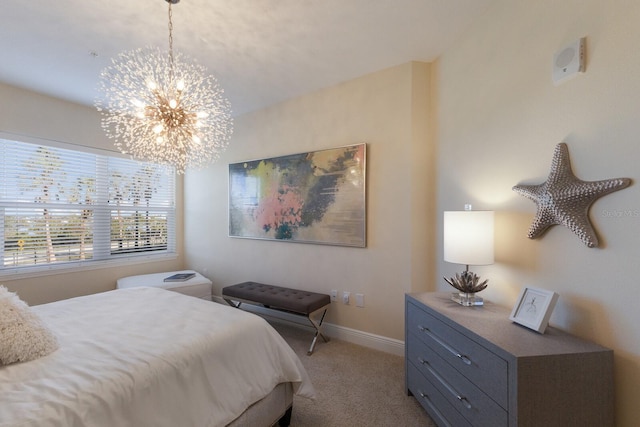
point(147, 357)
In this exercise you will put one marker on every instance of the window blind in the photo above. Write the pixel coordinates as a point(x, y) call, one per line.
point(59, 205)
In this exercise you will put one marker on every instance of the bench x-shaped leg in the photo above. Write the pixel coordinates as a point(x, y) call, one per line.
point(316, 324)
point(318, 327)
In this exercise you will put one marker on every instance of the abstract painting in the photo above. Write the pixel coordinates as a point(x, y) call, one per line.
point(314, 197)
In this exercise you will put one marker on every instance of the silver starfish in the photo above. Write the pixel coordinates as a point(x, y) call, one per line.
point(565, 199)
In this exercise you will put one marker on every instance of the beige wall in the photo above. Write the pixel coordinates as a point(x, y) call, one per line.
point(36, 116)
point(388, 111)
point(499, 119)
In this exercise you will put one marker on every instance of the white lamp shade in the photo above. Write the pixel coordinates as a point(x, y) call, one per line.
point(468, 237)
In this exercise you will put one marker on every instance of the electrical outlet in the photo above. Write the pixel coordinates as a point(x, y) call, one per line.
point(345, 297)
point(334, 295)
point(360, 300)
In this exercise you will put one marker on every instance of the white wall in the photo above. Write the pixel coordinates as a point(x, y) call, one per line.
point(499, 118)
point(388, 111)
point(31, 115)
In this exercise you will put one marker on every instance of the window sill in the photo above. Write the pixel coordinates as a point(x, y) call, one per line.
point(73, 267)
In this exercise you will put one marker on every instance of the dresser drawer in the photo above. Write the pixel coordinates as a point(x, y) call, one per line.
point(473, 404)
point(485, 369)
point(432, 401)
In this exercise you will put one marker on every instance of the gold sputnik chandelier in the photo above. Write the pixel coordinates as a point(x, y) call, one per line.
point(163, 107)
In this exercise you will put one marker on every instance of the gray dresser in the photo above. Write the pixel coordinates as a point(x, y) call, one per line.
point(472, 366)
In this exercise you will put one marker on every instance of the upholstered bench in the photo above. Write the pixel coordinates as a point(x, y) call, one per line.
point(197, 286)
point(303, 303)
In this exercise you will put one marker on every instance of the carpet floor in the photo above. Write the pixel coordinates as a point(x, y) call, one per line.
point(355, 386)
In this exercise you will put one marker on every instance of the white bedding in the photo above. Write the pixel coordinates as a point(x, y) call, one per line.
point(147, 357)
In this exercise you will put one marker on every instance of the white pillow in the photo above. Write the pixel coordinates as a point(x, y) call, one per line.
point(23, 336)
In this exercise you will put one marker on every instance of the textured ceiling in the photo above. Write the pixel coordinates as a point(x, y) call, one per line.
point(261, 51)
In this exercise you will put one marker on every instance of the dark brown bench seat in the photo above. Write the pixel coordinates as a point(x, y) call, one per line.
point(304, 303)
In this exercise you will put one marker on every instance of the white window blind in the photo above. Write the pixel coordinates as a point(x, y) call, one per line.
point(59, 205)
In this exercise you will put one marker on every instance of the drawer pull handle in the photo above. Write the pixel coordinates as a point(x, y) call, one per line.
point(446, 385)
point(442, 417)
point(450, 349)
point(464, 358)
point(464, 401)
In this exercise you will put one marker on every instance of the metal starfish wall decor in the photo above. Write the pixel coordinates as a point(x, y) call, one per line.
point(565, 199)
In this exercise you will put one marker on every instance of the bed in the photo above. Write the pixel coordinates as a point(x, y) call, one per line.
point(149, 357)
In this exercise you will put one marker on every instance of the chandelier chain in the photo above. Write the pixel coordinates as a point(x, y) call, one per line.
point(170, 41)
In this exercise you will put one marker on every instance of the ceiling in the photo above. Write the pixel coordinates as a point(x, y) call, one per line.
point(261, 51)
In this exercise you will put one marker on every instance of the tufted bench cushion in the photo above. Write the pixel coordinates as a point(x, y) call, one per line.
point(303, 303)
point(277, 297)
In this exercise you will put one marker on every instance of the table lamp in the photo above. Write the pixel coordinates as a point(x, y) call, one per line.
point(468, 240)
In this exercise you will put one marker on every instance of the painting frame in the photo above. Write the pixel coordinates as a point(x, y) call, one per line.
point(316, 197)
point(534, 307)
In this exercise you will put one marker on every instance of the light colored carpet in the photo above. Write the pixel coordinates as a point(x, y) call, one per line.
point(355, 386)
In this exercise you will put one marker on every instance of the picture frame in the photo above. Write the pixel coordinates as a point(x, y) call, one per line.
point(312, 197)
point(533, 308)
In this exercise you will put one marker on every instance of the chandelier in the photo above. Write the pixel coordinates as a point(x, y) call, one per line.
point(163, 107)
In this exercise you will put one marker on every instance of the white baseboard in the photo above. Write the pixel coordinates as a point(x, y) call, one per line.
point(354, 336)
point(365, 339)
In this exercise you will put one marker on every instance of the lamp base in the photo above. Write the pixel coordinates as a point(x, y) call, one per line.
point(467, 299)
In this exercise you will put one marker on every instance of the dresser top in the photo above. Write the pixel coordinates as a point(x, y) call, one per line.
point(490, 324)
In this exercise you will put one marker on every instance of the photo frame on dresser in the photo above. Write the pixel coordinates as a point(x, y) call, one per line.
point(533, 308)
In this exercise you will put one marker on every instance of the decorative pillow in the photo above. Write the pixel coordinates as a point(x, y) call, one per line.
point(23, 336)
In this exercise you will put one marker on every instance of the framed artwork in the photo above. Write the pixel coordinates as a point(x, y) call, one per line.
point(314, 197)
point(533, 308)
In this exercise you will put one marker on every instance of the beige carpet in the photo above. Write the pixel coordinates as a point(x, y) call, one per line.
point(355, 386)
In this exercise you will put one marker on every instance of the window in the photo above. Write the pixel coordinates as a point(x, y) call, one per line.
point(59, 206)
